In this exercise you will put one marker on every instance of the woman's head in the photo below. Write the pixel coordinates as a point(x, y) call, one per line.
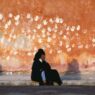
point(40, 54)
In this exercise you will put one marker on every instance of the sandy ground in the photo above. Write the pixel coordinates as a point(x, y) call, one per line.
point(68, 79)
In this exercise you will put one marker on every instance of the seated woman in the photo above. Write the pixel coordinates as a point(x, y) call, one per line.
point(42, 72)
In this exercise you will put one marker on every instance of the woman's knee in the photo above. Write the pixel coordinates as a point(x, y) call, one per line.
point(55, 71)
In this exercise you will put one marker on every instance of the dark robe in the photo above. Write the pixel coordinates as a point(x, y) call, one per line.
point(36, 71)
point(50, 74)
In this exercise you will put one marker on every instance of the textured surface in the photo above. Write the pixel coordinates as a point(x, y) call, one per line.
point(47, 90)
point(65, 28)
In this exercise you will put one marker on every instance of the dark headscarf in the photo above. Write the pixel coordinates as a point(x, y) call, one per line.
point(38, 54)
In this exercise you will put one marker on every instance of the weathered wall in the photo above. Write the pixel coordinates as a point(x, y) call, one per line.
point(65, 28)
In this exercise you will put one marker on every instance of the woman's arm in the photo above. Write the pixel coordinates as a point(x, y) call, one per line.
point(46, 65)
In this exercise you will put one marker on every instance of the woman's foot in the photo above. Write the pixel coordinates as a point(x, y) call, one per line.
point(41, 83)
point(60, 83)
point(49, 83)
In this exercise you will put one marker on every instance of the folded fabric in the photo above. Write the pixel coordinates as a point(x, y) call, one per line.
point(43, 76)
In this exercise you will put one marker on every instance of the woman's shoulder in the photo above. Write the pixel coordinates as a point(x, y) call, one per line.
point(36, 62)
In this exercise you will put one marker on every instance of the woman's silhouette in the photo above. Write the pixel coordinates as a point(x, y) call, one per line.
point(40, 66)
